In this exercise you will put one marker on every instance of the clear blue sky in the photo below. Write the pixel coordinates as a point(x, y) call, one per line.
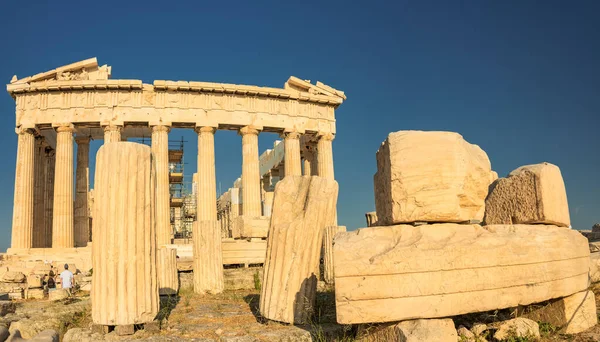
point(519, 78)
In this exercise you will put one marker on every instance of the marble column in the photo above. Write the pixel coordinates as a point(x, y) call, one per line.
point(62, 220)
point(310, 167)
point(293, 166)
point(82, 186)
point(38, 193)
point(22, 226)
point(208, 262)
point(49, 196)
point(250, 172)
point(112, 133)
point(325, 156)
point(206, 209)
point(160, 150)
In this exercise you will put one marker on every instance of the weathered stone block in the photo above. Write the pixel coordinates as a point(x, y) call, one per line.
point(58, 294)
point(251, 227)
point(124, 330)
point(530, 194)
point(124, 230)
point(430, 177)
point(439, 330)
point(572, 314)
point(34, 281)
point(48, 335)
point(35, 294)
point(517, 327)
point(450, 269)
point(13, 277)
point(302, 208)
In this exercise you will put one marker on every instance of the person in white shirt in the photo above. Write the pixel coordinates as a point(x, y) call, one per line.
point(66, 278)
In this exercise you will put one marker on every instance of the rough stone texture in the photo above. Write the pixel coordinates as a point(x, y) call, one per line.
point(242, 278)
point(430, 177)
point(439, 330)
point(302, 207)
point(168, 280)
point(572, 314)
point(124, 230)
point(13, 277)
point(6, 307)
point(328, 235)
point(208, 262)
point(35, 294)
point(251, 227)
point(530, 194)
point(44, 336)
point(440, 265)
point(465, 334)
point(518, 327)
point(57, 294)
point(34, 281)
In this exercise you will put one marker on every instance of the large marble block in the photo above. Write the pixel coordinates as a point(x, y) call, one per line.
point(430, 177)
point(124, 249)
point(530, 194)
point(404, 272)
point(302, 208)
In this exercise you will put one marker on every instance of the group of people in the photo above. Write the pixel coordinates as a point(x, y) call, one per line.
point(67, 279)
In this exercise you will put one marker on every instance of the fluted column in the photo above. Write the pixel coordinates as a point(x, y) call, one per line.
point(82, 186)
point(38, 193)
point(160, 150)
point(293, 166)
point(208, 261)
point(250, 172)
point(22, 227)
point(62, 221)
point(325, 156)
point(112, 133)
point(310, 162)
point(206, 208)
point(49, 196)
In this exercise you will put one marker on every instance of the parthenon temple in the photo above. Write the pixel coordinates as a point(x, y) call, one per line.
point(78, 102)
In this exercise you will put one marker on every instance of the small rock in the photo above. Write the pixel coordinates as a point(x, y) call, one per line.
point(478, 329)
point(466, 334)
point(518, 327)
point(45, 336)
point(440, 330)
point(219, 331)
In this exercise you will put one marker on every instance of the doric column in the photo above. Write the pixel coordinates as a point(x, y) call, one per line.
point(293, 167)
point(22, 227)
point(82, 186)
point(325, 156)
point(62, 221)
point(250, 172)
point(160, 149)
point(310, 162)
point(112, 133)
point(49, 196)
point(207, 189)
point(38, 193)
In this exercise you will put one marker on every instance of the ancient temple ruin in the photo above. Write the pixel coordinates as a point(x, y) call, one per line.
point(78, 102)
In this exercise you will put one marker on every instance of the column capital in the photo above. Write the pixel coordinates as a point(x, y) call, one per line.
point(291, 135)
point(65, 128)
point(326, 136)
point(24, 130)
point(82, 140)
point(205, 129)
point(161, 128)
point(253, 130)
point(113, 128)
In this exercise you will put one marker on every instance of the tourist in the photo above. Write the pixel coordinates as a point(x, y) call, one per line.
point(66, 278)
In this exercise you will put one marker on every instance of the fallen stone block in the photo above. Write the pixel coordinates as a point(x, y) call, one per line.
point(13, 277)
point(430, 177)
point(530, 194)
point(451, 269)
point(34, 281)
point(518, 327)
point(58, 294)
point(35, 294)
point(302, 208)
point(124, 330)
point(439, 330)
point(572, 314)
point(16, 294)
point(6, 307)
point(44, 336)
